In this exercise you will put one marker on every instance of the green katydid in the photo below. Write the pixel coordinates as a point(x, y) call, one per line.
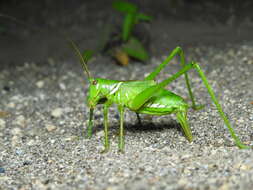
point(147, 97)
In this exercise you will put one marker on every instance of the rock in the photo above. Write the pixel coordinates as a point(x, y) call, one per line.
point(31, 142)
point(4, 114)
point(2, 124)
point(15, 140)
point(40, 84)
point(19, 152)
point(16, 131)
point(183, 181)
point(242, 166)
point(2, 170)
point(50, 127)
point(62, 86)
point(21, 121)
point(16, 98)
point(224, 186)
point(57, 112)
point(11, 105)
point(100, 134)
point(71, 138)
point(111, 188)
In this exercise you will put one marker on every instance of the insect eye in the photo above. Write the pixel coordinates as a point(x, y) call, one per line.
point(94, 82)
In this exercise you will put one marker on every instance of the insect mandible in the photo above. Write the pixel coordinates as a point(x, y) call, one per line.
point(147, 97)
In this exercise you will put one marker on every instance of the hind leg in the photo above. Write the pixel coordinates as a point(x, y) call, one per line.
point(182, 119)
point(176, 51)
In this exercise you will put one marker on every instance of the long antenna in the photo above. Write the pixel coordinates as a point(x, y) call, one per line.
point(79, 55)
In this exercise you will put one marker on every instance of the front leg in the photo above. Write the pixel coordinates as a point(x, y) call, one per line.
point(90, 124)
point(121, 130)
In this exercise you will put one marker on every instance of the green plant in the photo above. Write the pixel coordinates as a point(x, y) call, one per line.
point(127, 44)
point(132, 46)
point(131, 17)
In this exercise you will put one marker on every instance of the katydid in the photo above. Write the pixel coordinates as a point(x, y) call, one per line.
point(147, 97)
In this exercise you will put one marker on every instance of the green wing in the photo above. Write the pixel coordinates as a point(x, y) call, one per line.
point(126, 91)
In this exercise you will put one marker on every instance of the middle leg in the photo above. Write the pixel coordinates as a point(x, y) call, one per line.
point(121, 130)
point(106, 139)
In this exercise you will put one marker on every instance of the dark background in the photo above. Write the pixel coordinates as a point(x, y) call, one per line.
point(35, 35)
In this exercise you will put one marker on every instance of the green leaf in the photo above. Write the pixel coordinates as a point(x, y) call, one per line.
point(128, 26)
point(135, 49)
point(143, 17)
point(104, 37)
point(124, 7)
point(87, 55)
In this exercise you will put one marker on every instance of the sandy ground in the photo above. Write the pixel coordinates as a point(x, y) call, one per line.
point(43, 145)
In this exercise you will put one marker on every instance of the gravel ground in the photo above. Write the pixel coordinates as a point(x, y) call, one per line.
point(43, 120)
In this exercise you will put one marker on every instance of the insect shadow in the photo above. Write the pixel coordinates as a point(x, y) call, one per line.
point(149, 126)
point(137, 127)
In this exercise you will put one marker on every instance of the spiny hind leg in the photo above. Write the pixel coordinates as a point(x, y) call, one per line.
point(177, 51)
point(146, 94)
point(182, 119)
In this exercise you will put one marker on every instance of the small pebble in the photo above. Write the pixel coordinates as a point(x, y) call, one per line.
point(71, 138)
point(2, 170)
point(16, 98)
point(50, 128)
point(15, 140)
point(40, 84)
point(16, 131)
point(20, 120)
point(57, 112)
point(62, 86)
point(100, 134)
point(11, 105)
point(31, 142)
point(2, 124)
point(4, 114)
point(19, 152)
point(224, 186)
point(183, 181)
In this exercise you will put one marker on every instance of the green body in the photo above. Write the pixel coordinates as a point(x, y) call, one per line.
point(122, 93)
point(148, 97)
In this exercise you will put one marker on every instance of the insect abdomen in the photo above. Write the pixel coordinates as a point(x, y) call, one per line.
point(163, 103)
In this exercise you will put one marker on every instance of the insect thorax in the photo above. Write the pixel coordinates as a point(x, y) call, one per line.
point(115, 91)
